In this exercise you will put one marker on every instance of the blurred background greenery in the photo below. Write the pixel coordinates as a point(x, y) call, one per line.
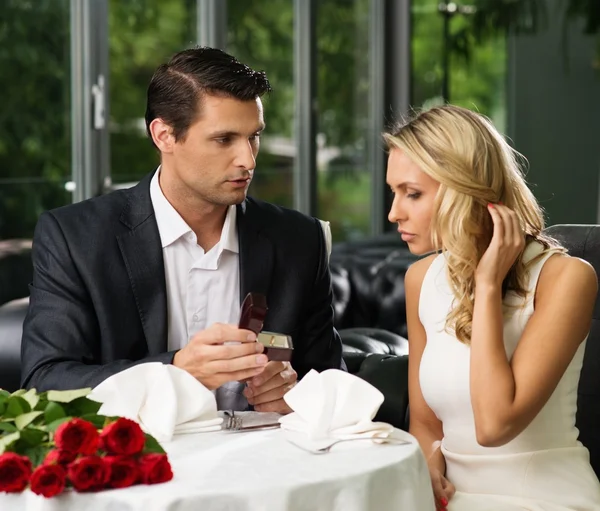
point(459, 54)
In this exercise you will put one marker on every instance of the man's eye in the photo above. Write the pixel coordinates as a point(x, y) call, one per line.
point(223, 140)
point(254, 137)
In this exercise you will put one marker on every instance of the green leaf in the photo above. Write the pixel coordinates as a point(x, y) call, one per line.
point(27, 418)
point(8, 427)
point(37, 454)
point(7, 440)
point(32, 436)
point(82, 406)
point(95, 419)
point(19, 392)
point(51, 428)
point(2, 408)
point(66, 396)
point(53, 411)
point(17, 406)
point(31, 397)
point(152, 445)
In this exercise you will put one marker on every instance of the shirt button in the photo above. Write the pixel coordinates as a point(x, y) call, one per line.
point(196, 318)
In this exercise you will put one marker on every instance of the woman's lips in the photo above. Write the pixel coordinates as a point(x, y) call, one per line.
point(406, 236)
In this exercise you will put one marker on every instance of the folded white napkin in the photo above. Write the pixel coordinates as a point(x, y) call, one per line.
point(162, 398)
point(333, 405)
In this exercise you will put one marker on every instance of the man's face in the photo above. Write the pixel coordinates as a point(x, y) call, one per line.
point(215, 161)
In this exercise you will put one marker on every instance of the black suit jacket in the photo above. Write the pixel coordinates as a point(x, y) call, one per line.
point(98, 301)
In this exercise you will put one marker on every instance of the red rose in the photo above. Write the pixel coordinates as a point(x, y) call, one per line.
point(123, 436)
point(58, 457)
point(15, 472)
point(123, 471)
point(155, 468)
point(88, 473)
point(48, 480)
point(77, 436)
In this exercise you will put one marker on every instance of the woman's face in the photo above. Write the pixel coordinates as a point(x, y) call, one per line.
point(414, 196)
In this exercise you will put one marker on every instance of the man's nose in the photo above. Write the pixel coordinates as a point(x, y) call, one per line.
point(246, 157)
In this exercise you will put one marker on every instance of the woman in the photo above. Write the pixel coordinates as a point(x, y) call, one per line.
point(497, 322)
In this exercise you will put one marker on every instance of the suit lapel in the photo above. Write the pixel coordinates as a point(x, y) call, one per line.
point(256, 252)
point(142, 251)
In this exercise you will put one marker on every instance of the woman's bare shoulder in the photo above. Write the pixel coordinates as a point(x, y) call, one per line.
point(562, 273)
point(416, 272)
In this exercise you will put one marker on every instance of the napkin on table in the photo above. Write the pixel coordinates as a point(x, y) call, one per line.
point(334, 405)
point(162, 398)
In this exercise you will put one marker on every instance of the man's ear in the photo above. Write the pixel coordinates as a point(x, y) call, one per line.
point(162, 136)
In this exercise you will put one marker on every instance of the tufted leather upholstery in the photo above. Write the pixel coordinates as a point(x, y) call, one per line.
point(368, 283)
point(12, 315)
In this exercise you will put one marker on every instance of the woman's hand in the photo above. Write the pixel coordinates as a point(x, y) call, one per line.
point(443, 490)
point(507, 243)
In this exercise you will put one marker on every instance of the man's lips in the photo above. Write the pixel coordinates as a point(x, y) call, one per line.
point(238, 183)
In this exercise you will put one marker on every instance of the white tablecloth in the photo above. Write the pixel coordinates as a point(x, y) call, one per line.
point(261, 471)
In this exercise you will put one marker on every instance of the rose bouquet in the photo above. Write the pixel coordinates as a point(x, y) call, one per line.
point(56, 440)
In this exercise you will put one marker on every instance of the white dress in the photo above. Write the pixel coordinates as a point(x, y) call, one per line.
point(545, 468)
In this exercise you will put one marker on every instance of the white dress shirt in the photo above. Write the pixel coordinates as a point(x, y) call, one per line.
point(202, 288)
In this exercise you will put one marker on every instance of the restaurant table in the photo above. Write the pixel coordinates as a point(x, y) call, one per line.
point(262, 471)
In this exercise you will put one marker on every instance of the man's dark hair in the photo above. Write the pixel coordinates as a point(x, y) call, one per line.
point(176, 89)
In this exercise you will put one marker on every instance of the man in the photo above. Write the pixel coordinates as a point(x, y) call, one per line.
point(157, 272)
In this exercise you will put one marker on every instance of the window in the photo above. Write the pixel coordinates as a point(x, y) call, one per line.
point(142, 35)
point(35, 137)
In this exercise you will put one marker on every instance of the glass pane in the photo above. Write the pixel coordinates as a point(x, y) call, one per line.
point(344, 181)
point(261, 35)
point(35, 136)
point(142, 35)
point(475, 74)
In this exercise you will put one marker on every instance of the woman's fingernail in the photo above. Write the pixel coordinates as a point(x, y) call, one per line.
point(490, 205)
point(500, 203)
point(444, 501)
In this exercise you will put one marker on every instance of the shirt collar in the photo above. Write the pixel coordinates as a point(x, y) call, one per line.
point(171, 226)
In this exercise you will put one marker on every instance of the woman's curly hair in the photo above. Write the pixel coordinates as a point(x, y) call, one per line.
point(475, 166)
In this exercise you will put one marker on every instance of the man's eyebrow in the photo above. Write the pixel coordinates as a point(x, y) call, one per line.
point(231, 133)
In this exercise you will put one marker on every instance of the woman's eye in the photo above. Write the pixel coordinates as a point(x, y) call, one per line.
point(414, 195)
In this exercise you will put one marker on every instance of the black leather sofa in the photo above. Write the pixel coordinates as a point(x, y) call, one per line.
point(368, 281)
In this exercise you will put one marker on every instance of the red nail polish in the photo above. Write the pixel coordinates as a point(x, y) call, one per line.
point(490, 205)
point(444, 501)
point(500, 203)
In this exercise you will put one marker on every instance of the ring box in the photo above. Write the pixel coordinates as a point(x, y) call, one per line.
point(252, 317)
point(277, 346)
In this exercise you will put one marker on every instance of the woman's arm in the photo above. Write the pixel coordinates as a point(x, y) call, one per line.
point(424, 425)
point(506, 394)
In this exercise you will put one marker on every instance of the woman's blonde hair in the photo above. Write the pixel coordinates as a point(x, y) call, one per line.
point(475, 166)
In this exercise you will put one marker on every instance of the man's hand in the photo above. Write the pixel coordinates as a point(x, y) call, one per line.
point(265, 391)
point(212, 363)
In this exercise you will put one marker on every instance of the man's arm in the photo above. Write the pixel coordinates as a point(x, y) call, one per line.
point(60, 348)
point(320, 346)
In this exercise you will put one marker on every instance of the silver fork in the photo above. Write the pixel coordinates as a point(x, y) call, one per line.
point(327, 448)
point(232, 422)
